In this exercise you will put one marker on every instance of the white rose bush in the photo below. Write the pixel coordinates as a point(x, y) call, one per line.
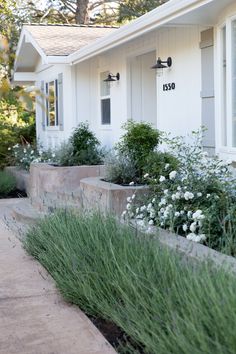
point(24, 154)
point(196, 200)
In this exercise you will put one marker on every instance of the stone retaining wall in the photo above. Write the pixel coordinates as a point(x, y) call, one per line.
point(107, 197)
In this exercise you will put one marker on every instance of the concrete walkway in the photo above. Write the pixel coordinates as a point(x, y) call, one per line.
point(33, 317)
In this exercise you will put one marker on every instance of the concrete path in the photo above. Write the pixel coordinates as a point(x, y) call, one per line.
point(33, 317)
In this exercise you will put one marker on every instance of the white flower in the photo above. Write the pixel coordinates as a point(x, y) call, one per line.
point(191, 236)
point(32, 151)
point(162, 202)
point(193, 227)
point(141, 223)
point(143, 208)
point(133, 196)
point(150, 222)
point(197, 215)
point(208, 196)
point(128, 206)
point(153, 201)
point(173, 197)
point(129, 199)
point(179, 188)
point(167, 166)
point(166, 191)
point(24, 151)
point(149, 207)
point(53, 155)
point(199, 194)
point(40, 152)
point(124, 213)
point(146, 175)
point(9, 149)
point(189, 214)
point(131, 183)
point(137, 210)
point(139, 216)
point(188, 195)
point(185, 227)
point(166, 214)
point(177, 214)
point(172, 174)
point(152, 214)
point(182, 212)
point(162, 179)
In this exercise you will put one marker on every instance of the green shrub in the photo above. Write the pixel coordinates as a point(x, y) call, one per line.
point(162, 302)
point(119, 169)
point(7, 184)
point(138, 141)
point(84, 147)
point(160, 163)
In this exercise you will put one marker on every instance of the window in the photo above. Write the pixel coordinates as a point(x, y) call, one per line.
point(228, 83)
point(52, 103)
point(105, 99)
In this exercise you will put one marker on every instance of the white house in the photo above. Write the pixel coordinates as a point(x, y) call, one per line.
point(199, 88)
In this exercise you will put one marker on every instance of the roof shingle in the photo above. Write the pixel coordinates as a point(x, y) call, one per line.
point(63, 40)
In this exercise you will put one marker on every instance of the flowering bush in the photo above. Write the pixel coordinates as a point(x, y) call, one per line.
point(194, 201)
point(24, 155)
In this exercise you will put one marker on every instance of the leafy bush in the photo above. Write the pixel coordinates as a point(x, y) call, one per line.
point(7, 184)
point(84, 147)
point(16, 126)
point(196, 201)
point(23, 155)
point(160, 163)
point(139, 140)
point(163, 303)
point(119, 169)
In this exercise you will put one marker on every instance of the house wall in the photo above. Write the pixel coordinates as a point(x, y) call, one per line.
point(178, 111)
point(51, 137)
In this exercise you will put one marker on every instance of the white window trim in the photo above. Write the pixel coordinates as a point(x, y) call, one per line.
point(56, 105)
point(219, 87)
point(105, 127)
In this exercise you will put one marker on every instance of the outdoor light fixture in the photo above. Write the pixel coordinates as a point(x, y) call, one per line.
point(111, 77)
point(159, 66)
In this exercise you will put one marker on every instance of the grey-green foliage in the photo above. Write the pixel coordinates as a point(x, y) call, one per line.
point(7, 184)
point(162, 302)
point(119, 168)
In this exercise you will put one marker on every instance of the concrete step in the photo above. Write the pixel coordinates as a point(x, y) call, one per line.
point(18, 216)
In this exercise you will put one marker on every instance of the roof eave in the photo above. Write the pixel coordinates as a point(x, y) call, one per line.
point(154, 19)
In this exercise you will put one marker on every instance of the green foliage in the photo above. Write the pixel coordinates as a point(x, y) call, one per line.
point(83, 148)
point(162, 302)
point(119, 169)
point(130, 9)
point(16, 125)
point(139, 140)
point(7, 184)
point(160, 163)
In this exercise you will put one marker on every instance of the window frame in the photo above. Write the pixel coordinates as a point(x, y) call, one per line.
point(103, 98)
point(55, 126)
point(225, 107)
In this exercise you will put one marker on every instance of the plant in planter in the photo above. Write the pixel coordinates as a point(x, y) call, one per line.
point(7, 184)
point(83, 148)
point(196, 201)
point(127, 162)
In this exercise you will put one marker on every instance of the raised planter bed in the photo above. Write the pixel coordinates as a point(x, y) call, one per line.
point(52, 186)
point(22, 178)
point(106, 196)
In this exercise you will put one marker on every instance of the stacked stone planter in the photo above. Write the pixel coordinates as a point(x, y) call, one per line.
point(107, 197)
point(55, 187)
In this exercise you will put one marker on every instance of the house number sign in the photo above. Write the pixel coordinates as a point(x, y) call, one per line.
point(169, 87)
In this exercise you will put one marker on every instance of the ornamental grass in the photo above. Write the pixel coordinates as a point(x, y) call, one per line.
point(162, 301)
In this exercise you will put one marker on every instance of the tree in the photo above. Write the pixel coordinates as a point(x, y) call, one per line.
point(87, 11)
point(130, 9)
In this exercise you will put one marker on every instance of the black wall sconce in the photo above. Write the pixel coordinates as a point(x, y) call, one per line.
point(112, 78)
point(159, 66)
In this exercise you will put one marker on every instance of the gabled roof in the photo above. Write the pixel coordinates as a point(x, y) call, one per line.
point(63, 40)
